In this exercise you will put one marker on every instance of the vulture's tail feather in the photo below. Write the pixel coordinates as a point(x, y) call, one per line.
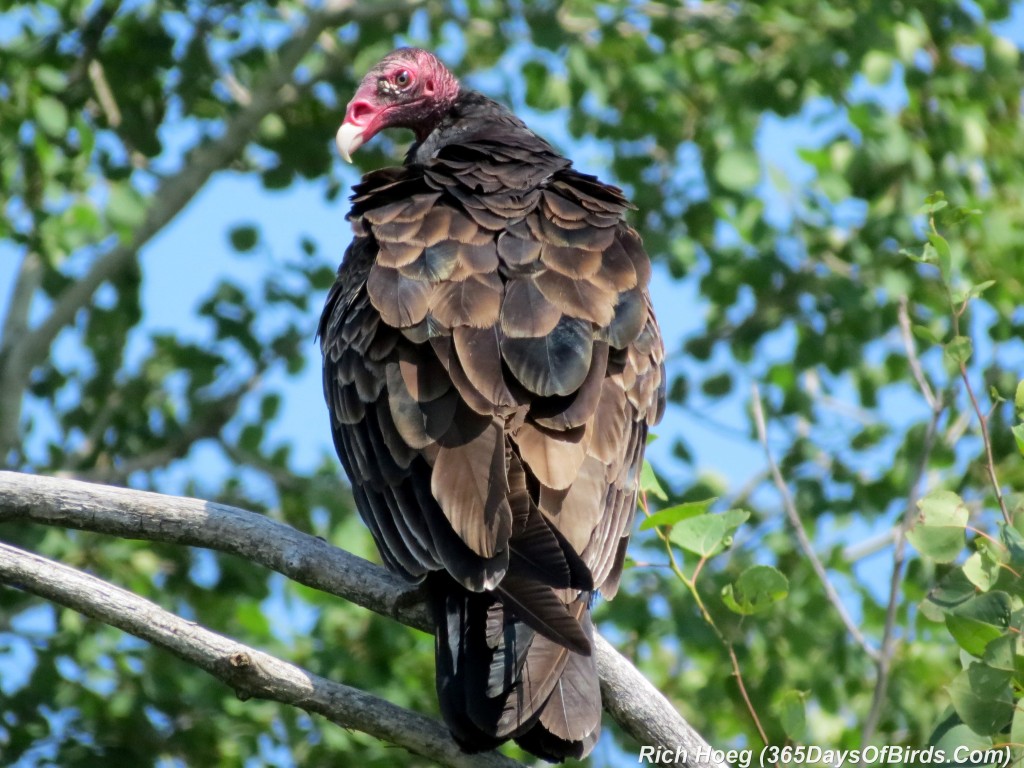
point(499, 677)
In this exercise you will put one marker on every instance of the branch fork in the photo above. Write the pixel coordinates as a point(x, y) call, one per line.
point(629, 698)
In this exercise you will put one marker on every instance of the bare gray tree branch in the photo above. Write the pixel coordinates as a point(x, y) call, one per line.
point(642, 710)
point(177, 520)
point(251, 673)
point(629, 698)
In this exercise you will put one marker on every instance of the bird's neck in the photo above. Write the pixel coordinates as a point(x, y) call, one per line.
point(472, 117)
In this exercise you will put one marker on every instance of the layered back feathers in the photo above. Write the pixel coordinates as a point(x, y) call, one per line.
point(492, 364)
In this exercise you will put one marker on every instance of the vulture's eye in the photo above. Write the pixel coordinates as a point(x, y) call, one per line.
point(403, 78)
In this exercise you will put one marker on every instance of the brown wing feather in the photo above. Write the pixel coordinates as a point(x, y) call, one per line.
point(470, 484)
point(525, 313)
point(492, 363)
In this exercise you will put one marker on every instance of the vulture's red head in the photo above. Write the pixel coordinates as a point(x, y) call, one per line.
point(408, 88)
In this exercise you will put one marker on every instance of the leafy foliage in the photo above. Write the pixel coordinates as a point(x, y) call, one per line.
point(778, 153)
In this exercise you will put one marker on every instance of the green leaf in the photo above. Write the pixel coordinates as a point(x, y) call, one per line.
point(976, 290)
point(252, 618)
point(981, 695)
point(673, 515)
point(272, 128)
point(925, 257)
point(145, 562)
point(877, 66)
point(984, 566)
point(738, 170)
point(649, 482)
point(706, 535)
point(1001, 652)
point(791, 709)
point(968, 292)
point(959, 736)
point(1017, 728)
point(244, 238)
point(959, 214)
point(52, 116)
point(952, 590)
point(938, 532)
point(925, 333)
point(943, 255)
point(929, 255)
point(979, 572)
point(959, 349)
point(1014, 542)
point(51, 78)
point(269, 406)
point(933, 612)
point(756, 590)
point(126, 209)
point(1018, 436)
point(980, 620)
point(1018, 399)
point(909, 39)
point(251, 437)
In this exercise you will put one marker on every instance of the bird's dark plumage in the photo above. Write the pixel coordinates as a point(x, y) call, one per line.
point(491, 365)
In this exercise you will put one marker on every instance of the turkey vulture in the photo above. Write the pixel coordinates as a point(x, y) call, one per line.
point(491, 366)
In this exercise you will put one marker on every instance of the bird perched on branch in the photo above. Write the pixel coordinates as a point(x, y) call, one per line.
point(491, 366)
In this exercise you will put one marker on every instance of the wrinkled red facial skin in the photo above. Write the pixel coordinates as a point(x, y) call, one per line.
point(409, 88)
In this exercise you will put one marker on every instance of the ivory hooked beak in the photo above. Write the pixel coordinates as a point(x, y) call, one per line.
point(349, 138)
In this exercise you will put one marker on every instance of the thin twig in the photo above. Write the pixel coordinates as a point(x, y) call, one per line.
point(990, 462)
point(883, 661)
point(957, 427)
point(238, 91)
point(104, 94)
point(743, 692)
point(719, 427)
point(888, 649)
point(801, 534)
point(251, 673)
point(742, 496)
point(691, 585)
point(812, 382)
point(870, 546)
point(907, 335)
